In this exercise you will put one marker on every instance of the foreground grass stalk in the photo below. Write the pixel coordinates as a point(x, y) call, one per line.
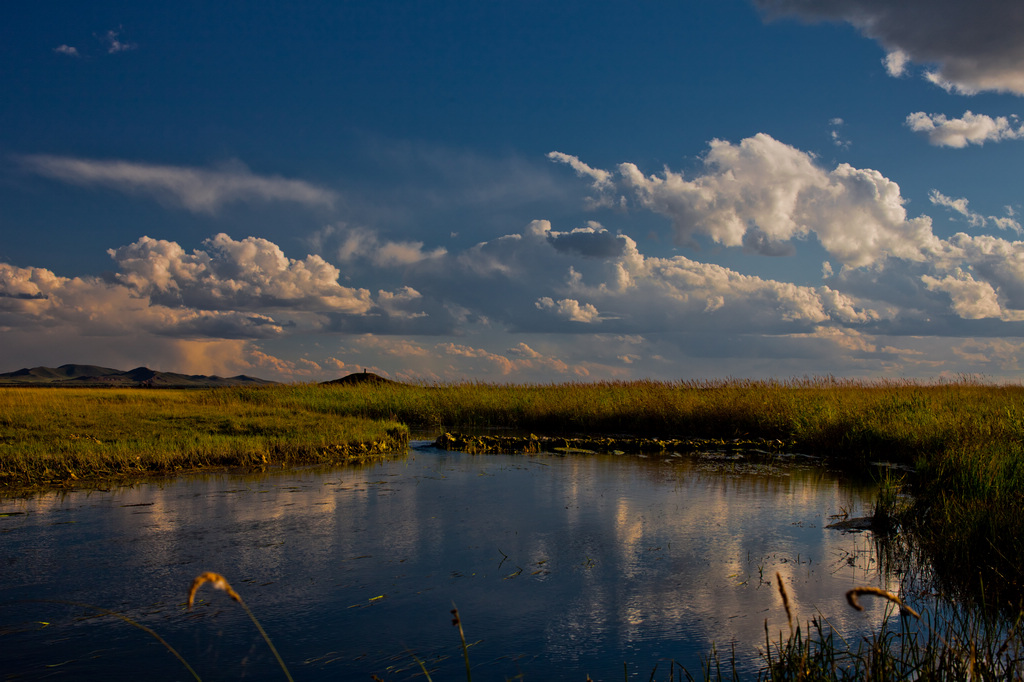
point(457, 622)
point(852, 595)
point(135, 624)
point(971, 649)
point(220, 582)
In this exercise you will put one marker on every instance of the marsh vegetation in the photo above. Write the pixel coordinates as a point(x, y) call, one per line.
point(958, 444)
point(70, 436)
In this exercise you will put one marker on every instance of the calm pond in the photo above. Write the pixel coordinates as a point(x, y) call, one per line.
point(560, 566)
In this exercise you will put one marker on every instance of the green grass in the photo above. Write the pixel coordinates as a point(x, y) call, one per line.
point(58, 436)
point(854, 421)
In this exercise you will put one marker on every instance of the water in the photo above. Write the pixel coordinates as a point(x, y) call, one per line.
point(560, 566)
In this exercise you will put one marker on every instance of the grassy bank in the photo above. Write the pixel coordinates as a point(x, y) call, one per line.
point(60, 436)
point(946, 429)
point(849, 420)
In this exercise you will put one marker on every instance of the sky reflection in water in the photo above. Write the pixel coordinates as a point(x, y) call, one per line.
point(561, 566)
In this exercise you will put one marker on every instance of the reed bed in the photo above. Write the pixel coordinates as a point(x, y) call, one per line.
point(900, 420)
point(960, 644)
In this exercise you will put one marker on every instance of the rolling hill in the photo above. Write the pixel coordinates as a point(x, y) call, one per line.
point(140, 377)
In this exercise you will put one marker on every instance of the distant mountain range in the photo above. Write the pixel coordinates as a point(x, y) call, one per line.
point(140, 377)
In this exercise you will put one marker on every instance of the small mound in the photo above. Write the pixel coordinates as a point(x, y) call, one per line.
point(360, 378)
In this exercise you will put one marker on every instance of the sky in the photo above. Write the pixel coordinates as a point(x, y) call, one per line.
point(514, 191)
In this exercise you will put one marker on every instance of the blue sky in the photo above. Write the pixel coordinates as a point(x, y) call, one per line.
point(514, 191)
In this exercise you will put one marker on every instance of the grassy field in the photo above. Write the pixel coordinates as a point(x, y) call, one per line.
point(64, 436)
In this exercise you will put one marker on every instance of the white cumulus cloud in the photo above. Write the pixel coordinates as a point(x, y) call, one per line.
point(970, 128)
point(349, 244)
point(999, 262)
point(896, 63)
point(971, 299)
point(632, 293)
point(961, 206)
point(570, 309)
point(200, 310)
point(601, 179)
point(37, 299)
point(837, 138)
point(762, 193)
point(113, 43)
point(251, 273)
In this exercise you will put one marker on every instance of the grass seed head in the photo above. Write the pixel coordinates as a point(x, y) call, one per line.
point(217, 580)
point(852, 595)
point(785, 600)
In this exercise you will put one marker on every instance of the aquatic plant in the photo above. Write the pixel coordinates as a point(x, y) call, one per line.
point(891, 502)
point(457, 622)
point(966, 646)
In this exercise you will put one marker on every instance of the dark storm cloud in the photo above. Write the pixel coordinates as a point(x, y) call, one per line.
point(973, 46)
point(593, 244)
point(757, 241)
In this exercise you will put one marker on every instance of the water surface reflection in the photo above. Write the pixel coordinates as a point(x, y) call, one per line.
point(561, 566)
